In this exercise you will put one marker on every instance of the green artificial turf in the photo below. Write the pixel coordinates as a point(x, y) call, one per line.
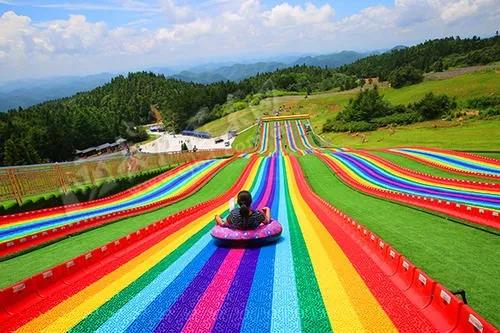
point(456, 255)
point(421, 167)
point(245, 140)
point(18, 268)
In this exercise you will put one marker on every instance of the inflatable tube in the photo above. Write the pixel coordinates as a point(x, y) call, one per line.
point(264, 234)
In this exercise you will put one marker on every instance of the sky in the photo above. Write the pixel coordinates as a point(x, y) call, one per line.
point(45, 38)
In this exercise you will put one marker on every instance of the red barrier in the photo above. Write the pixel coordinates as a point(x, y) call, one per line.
point(403, 278)
point(420, 292)
point(470, 322)
point(444, 309)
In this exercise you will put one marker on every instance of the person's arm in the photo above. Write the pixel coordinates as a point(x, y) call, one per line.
point(267, 214)
point(219, 221)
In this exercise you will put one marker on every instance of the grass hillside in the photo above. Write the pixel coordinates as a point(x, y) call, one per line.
point(446, 134)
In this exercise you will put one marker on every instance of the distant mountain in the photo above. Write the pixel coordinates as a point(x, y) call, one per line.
point(331, 60)
point(204, 77)
point(399, 47)
point(25, 93)
point(235, 72)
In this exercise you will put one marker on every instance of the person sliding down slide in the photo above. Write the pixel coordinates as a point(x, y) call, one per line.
point(244, 218)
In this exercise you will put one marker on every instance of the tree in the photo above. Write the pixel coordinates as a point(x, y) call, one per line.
point(404, 76)
point(366, 105)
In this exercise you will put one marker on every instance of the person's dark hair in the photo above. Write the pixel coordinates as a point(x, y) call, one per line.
point(244, 201)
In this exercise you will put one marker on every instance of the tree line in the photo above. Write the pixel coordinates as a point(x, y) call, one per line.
point(52, 131)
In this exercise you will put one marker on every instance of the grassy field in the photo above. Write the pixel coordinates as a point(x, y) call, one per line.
point(467, 135)
point(242, 119)
point(245, 140)
point(20, 267)
point(459, 256)
point(421, 167)
point(446, 134)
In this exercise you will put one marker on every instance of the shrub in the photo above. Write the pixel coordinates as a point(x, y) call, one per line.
point(351, 126)
point(483, 102)
point(404, 76)
point(398, 119)
point(489, 113)
point(366, 105)
point(433, 106)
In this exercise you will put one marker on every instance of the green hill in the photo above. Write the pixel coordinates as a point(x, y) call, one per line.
point(450, 134)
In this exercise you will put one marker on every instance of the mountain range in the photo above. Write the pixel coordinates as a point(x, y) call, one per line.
point(24, 93)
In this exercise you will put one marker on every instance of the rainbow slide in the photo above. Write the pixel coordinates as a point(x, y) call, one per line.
point(316, 278)
point(454, 161)
point(371, 173)
point(291, 140)
point(175, 183)
point(303, 137)
point(264, 143)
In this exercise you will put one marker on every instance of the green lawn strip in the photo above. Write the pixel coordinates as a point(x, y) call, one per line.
point(18, 268)
point(246, 139)
point(456, 255)
point(313, 314)
point(472, 134)
point(421, 167)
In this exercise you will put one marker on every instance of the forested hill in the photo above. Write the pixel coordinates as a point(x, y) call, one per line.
point(52, 131)
point(434, 55)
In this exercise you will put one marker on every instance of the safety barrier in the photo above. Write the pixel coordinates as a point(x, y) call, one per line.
point(473, 214)
point(443, 309)
point(443, 167)
point(19, 182)
point(29, 293)
point(23, 243)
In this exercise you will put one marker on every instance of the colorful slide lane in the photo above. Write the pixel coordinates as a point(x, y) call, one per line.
point(454, 161)
point(368, 173)
point(264, 140)
point(291, 140)
point(171, 184)
point(182, 282)
point(303, 137)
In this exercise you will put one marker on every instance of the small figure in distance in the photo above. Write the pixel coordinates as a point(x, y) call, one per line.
point(244, 218)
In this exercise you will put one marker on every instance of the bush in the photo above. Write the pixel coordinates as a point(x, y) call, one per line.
point(351, 126)
point(483, 102)
point(489, 113)
point(404, 76)
point(433, 106)
point(368, 104)
point(398, 119)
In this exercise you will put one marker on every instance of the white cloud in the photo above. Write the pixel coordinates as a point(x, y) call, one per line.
point(174, 12)
point(286, 15)
point(216, 28)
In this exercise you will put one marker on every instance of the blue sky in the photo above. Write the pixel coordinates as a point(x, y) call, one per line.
point(59, 37)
